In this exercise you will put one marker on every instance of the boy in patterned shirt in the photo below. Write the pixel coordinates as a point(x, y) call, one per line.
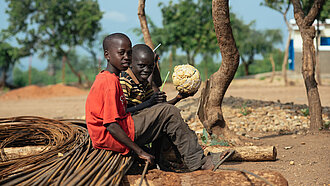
point(162, 119)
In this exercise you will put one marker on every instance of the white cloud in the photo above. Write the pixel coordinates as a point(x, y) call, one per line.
point(115, 16)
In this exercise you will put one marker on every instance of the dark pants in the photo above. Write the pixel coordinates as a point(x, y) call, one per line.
point(165, 119)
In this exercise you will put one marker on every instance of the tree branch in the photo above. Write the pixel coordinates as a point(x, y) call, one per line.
point(313, 12)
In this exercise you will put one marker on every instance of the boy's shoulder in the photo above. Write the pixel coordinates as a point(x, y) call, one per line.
point(105, 77)
point(125, 77)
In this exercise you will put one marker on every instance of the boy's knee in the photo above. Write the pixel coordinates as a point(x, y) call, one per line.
point(170, 108)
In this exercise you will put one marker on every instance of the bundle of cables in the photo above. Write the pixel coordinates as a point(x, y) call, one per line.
point(66, 157)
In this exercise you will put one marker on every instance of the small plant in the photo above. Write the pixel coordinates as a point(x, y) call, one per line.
point(204, 136)
point(305, 111)
point(326, 125)
point(244, 110)
point(4, 89)
point(262, 78)
point(216, 141)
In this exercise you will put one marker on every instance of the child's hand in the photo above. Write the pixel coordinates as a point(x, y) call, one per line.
point(158, 97)
point(185, 95)
point(147, 157)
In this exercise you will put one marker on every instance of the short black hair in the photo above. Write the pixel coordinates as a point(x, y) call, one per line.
point(141, 48)
point(110, 37)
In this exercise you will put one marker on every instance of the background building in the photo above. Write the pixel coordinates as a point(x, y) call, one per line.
point(323, 42)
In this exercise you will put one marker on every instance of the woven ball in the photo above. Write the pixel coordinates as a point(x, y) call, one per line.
point(186, 79)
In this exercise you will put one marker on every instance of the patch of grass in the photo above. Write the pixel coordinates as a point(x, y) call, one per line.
point(205, 136)
point(305, 111)
point(244, 111)
point(214, 139)
point(262, 78)
point(4, 89)
point(326, 125)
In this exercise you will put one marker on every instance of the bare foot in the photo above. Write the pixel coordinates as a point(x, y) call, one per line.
point(208, 165)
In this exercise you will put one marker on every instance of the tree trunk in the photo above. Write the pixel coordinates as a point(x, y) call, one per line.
point(209, 111)
point(63, 69)
point(247, 153)
point(3, 78)
point(285, 60)
point(75, 72)
point(30, 70)
point(206, 69)
point(273, 67)
point(220, 177)
point(286, 52)
point(144, 24)
point(188, 57)
point(318, 73)
point(246, 68)
point(308, 66)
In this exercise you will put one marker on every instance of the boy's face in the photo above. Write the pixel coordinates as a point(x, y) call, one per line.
point(119, 54)
point(142, 66)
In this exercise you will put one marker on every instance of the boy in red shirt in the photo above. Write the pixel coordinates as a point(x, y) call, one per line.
point(109, 126)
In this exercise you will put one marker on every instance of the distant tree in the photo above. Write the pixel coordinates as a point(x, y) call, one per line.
point(256, 42)
point(307, 32)
point(54, 27)
point(81, 64)
point(209, 111)
point(282, 6)
point(9, 55)
point(187, 25)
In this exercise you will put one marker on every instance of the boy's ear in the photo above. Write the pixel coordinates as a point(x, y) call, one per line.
point(106, 54)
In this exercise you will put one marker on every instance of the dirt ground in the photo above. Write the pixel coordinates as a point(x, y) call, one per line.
point(309, 152)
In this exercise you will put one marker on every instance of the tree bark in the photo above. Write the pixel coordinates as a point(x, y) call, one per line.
point(209, 111)
point(247, 153)
point(308, 65)
point(220, 177)
point(144, 24)
point(273, 67)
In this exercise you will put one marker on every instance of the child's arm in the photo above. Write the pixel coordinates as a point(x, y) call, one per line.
point(157, 97)
point(118, 133)
point(179, 97)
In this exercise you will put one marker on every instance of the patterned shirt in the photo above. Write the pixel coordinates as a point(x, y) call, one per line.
point(134, 91)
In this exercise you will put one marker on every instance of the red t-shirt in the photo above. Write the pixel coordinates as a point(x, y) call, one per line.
point(106, 103)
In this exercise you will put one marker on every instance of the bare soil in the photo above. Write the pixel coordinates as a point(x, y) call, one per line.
point(307, 152)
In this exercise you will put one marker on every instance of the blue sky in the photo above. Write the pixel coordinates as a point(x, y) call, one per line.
point(121, 16)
